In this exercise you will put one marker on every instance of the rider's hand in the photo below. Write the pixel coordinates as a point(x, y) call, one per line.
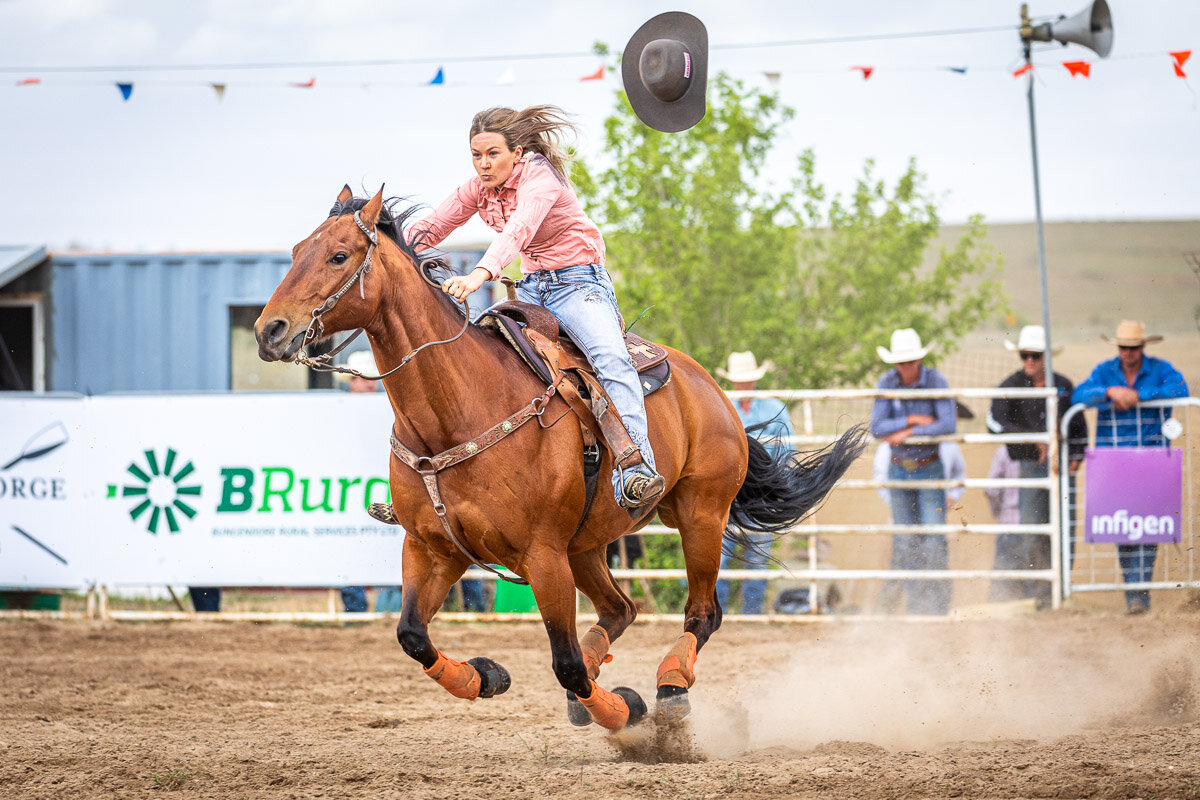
point(460, 286)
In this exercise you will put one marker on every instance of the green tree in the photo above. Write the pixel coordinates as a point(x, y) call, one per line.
point(809, 280)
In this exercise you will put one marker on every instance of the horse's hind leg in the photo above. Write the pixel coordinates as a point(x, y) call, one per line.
point(427, 581)
point(615, 612)
point(701, 525)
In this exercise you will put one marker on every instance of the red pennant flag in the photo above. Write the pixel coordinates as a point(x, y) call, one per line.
point(1078, 68)
point(598, 75)
point(866, 71)
point(1023, 70)
point(29, 81)
point(310, 84)
point(1180, 56)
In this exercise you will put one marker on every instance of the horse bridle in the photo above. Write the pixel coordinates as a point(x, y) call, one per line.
point(324, 362)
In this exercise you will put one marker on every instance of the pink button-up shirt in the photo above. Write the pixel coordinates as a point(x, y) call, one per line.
point(535, 212)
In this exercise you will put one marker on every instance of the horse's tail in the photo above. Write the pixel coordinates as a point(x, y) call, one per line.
point(781, 490)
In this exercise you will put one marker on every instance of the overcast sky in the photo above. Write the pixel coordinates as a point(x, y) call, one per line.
point(177, 168)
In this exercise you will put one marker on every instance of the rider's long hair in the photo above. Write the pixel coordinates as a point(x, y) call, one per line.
point(537, 129)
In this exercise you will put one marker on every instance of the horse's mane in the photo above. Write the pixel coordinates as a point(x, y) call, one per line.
point(391, 224)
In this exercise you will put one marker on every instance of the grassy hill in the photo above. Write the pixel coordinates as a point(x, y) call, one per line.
point(1100, 272)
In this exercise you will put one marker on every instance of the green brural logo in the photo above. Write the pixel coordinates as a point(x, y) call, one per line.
point(159, 491)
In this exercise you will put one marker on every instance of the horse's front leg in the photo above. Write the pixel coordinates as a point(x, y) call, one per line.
point(554, 589)
point(427, 581)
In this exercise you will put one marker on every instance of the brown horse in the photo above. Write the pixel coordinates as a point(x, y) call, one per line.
point(520, 499)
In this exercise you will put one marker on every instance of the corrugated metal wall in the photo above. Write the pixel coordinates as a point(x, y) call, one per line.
point(155, 322)
point(152, 322)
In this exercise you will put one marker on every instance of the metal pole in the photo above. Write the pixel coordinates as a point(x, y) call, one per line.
point(1037, 198)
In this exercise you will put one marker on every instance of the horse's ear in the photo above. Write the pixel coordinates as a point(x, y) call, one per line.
point(370, 212)
point(344, 195)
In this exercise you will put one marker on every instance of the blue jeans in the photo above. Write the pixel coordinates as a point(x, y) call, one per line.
point(473, 597)
point(205, 598)
point(389, 599)
point(753, 592)
point(1137, 566)
point(921, 550)
point(583, 301)
point(354, 598)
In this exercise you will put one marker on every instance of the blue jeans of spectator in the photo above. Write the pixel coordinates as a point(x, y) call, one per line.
point(1137, 566)
point(753, 591)
point(583, 301)
point(354, 598)
point(473, 597)
point(390, 599)
point(205, 598)
point(921, 550)
point(1035, 510)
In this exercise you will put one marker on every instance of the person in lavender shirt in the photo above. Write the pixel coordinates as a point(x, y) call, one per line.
point(895, 421)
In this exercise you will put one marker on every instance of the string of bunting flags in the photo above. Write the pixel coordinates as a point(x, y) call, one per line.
point(1074, 68)
point(508, 77)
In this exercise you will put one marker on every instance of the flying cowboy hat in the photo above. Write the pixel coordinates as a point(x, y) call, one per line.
point(665, 71)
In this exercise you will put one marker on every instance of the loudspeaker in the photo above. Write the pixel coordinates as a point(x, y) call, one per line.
point(1091, 27)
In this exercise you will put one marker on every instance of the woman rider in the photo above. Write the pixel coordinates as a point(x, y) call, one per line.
point(521, 191)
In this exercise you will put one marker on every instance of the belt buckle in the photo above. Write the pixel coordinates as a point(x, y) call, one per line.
point(909, 464)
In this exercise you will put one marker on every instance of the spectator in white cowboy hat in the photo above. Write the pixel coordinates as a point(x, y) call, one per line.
point(1028, 415)
point(363, 362)
point(895, 420)
point(1116, 387)
point(767, 418)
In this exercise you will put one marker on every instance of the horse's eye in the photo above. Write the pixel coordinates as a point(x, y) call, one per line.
point(338, 258)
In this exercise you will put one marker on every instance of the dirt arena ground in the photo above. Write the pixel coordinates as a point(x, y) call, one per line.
point(1068, 704)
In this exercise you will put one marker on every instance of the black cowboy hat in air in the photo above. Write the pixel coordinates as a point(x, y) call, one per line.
point(665, 71)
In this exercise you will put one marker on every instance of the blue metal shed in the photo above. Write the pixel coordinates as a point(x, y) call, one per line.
point(129, 322)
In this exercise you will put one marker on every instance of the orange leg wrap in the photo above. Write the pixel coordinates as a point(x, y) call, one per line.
point(607, 709)
point(594, 645)
point(456, 677)
point(678, 668)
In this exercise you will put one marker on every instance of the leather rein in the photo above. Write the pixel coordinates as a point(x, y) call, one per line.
point(426, 466)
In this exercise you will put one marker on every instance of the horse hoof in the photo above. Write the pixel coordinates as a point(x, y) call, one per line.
point(637, 706)
point(493, 678)
point(672, 705)
point(576, 713)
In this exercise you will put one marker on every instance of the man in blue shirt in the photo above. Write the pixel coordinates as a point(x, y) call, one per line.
point(744, 372)
point(1116, 387)
point(894, 420)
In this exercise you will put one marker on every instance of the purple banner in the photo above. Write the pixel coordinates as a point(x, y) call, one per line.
point(1134, 495)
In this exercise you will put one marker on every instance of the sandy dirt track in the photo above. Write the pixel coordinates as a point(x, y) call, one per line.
point(1063, 704)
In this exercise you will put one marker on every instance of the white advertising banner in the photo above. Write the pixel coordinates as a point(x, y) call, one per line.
point(242, 489)
point(263, 489)
point(44, 541)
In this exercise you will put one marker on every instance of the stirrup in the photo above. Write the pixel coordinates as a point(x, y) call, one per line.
point(383, 512)
point(638, 490)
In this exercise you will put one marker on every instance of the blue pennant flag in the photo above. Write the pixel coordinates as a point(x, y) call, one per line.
point(959, 70)
point(126, 90)
point(438, 79)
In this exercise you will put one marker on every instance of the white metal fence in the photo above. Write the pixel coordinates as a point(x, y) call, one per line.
point(846, 519)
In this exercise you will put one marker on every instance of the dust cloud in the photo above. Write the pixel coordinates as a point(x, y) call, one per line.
point(915, 686)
